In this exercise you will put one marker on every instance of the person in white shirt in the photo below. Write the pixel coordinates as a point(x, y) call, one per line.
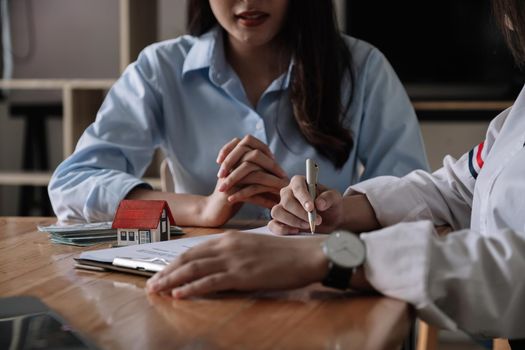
point(256, 87)
point(470, 278)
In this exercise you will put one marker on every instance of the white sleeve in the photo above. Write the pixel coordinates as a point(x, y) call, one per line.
point(443, 197)
point(462, 280)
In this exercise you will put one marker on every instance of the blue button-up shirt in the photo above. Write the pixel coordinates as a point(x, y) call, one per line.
point(182, 96)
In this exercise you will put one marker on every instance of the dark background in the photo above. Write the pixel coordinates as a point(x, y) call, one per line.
point(442, 49)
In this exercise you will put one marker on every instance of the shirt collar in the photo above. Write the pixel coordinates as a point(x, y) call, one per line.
point(284, 80)
point(208, 52)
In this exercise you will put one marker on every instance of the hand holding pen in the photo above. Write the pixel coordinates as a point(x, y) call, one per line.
point(312, 173)
point(297, 209)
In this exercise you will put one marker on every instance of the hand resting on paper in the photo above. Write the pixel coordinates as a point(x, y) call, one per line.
point(243, 262)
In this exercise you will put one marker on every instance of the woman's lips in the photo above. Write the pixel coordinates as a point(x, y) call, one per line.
point(252, 18)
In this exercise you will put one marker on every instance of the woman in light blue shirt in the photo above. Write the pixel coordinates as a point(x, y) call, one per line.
point(258, 87)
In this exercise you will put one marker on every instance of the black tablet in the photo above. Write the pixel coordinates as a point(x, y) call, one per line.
point(27, 323)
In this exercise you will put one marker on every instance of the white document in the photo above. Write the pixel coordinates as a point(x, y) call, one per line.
point(265, 230)
point(167, 250)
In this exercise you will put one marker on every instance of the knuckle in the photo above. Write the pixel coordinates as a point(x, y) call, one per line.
point(184, 257)
point(252, 155)
point(230, 240)
point(277, 227)
point(255, 177)
point(245, 167)
point(194, 268)
point(226, 163)
point(212, 280)
point(297, 181)
point(287, 199)
point(257, 153)
point(275, 211)
point(226, 182)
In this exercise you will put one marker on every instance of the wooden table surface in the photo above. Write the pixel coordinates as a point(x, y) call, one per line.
point(113, 310)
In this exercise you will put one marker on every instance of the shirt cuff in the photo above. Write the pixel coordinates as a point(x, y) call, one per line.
point(394, 199)
point(103, 200)
point(397, 265)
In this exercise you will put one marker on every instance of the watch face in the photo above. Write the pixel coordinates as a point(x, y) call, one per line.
point(345, 249)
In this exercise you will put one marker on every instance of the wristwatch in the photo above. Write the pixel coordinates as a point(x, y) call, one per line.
point(345, 252)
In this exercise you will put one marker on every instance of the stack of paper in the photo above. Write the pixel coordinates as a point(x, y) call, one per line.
point(87, 234)
point(146, 259)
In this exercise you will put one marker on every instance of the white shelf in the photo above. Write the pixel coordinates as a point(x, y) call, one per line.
point(25, 178)
point(461, 105)
point(56, 84)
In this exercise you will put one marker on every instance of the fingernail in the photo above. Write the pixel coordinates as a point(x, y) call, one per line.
point(222, 187)
point(308, 206)
point(321, 204)
point(176, 293)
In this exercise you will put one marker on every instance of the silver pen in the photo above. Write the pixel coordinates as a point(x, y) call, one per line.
point(312, 171)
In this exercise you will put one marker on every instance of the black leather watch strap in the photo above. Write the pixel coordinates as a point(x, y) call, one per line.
point(338, 277)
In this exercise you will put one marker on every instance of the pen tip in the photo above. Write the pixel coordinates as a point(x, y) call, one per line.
point(312, 228)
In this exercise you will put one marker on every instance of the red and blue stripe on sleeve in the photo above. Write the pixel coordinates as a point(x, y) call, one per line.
point(475, 160)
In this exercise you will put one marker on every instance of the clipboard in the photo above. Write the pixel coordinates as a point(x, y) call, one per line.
point(142, 267)
point(148, 265)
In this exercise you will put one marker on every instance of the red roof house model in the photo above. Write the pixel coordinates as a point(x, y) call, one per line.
point(140, 214)
point(142, 221)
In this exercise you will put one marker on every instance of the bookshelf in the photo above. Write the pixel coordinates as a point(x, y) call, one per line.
point(81, 98)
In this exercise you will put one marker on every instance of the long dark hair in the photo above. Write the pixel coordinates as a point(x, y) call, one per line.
point(322, 62)
point(510, 15)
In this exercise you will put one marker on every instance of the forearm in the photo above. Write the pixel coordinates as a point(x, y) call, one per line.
point(187, 209)
point(358, 214)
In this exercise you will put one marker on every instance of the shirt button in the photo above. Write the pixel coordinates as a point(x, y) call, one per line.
point(259, 125)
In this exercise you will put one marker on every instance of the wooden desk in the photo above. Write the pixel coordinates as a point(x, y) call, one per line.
point(114, 311)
